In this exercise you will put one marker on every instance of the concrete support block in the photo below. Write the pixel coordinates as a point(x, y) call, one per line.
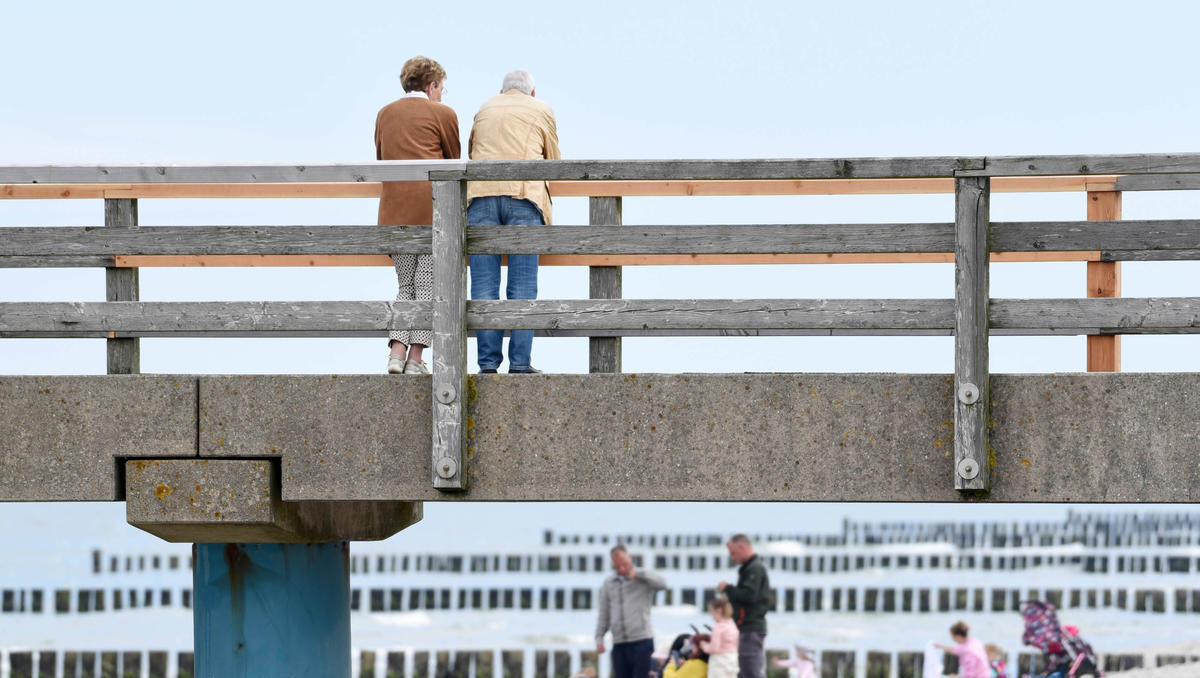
point(223, 500)
point(761, 437)
point(61, 437)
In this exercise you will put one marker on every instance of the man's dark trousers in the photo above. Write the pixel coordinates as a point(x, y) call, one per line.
point(632, 660)
point(750, 654)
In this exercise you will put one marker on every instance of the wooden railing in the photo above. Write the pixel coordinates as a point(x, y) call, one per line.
point(971, 241)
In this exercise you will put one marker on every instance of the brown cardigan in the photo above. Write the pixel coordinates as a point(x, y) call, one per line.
point(413, 128)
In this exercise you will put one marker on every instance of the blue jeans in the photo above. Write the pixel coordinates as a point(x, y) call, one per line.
point(632, 659)
point(503, 210)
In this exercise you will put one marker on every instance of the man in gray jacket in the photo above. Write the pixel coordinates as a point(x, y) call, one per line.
point(624, 605)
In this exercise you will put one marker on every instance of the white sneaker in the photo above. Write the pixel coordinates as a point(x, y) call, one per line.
point(415, 367)
point(396, 364)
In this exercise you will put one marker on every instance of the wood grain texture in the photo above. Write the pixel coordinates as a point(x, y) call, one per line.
point(690, 170)
point(677, 314)
point(1143, 238)
point(1124, 315)
point(1135, 237)
point(604, 282)
point(121, 284)
point(449, 334)
point(1104, 278)
point(384, 170)
point(717, 239)
point(566, 189)
point(580, 317)
point(215, 240)
point(563, 189)
point(1134, 163)
point(231, 318)
point(971, 295)
point(1158, 182)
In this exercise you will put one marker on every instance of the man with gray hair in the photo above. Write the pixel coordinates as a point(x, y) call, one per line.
point(513, 125)
point(624, 608)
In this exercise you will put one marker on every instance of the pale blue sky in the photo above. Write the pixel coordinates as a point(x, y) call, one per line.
point(301, 81)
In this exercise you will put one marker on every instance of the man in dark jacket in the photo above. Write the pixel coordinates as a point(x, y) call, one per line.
point(751, 597)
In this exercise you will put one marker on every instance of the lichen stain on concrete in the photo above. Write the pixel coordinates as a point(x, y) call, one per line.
point(162, 491)
point(1026, 463)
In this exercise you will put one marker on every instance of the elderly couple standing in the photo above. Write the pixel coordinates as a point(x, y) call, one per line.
point(511, 126)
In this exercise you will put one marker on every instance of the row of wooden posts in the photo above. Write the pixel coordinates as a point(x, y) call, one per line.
point(532, 663)
point(974, 316)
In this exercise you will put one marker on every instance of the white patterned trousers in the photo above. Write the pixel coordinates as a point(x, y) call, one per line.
point(414, 272)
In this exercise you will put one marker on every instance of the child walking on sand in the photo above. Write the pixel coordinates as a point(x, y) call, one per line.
point(972, 659)
point(996, 661)
point(722, 646)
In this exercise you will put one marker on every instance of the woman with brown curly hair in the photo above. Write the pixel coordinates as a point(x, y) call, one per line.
point(415, 127)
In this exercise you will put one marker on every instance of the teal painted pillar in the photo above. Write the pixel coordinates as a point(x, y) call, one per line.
point(266, 610)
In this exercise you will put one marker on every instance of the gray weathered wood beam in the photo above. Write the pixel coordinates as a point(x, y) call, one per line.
point(687, 170)
point(1140, 239)
point(167, 318)
point(971, 390)
point(1051, 165)
point(583, 317)
point(604, 282)
point(124, 355)
point(1122, 315)
point(449, 335)
point(385, 170)
point(1146, 239)
point(68, 261)
point(214, 240)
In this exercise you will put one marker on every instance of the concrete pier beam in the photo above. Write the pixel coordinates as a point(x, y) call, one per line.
point(238, 500)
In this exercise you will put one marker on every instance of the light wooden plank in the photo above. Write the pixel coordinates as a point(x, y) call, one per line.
point(1104, 281)
point(121, 284)
point(251, 260)
point(972, 470)
point(1133, 163)
point(1159, 182)
point(384, 170)
point(560, 189)
point(604, 282)
point(567, 189)
point(449, 382)
point(688, 170)
point(608, 260)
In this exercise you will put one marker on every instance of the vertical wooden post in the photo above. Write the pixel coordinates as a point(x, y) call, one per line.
point(121, 284)
point(972, 198)
point(1103, 280)
point(604, 282)
point(449, 333)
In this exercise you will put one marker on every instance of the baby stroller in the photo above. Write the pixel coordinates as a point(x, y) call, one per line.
point(681, 649)
point(1067, 655)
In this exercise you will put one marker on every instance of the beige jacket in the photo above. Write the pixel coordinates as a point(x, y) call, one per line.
point(514, 126)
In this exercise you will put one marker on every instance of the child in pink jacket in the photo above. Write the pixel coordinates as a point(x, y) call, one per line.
point(722, 646)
